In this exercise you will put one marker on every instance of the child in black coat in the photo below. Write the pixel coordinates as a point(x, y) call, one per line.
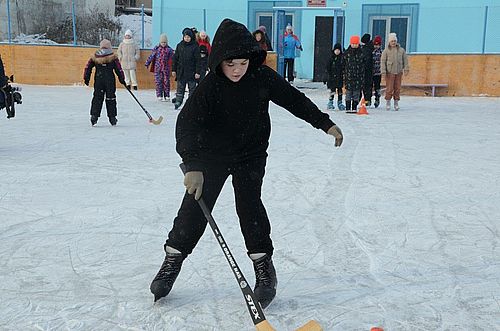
point(223, 130)
point(354, 74)
point(335, 80)
point(106, 65)
point(186, 65)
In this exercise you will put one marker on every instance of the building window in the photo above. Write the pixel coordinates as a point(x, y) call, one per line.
point(266, 19)
point(383, 25)
point(399, 18)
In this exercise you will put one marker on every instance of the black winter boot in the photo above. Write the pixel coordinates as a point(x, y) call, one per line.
point(355, 106)
point(265, 280)
point(348, 105)
point(377, 98)
point(164, 280)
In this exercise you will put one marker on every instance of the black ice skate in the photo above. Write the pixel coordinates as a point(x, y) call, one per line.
point(93, 120)
point(265, 280)
point(164, 280)
point(113, 120)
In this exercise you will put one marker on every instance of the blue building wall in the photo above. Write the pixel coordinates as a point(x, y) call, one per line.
point(444, 26)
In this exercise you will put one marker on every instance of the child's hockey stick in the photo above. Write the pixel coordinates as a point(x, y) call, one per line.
point(151, 120)
point(254, 308)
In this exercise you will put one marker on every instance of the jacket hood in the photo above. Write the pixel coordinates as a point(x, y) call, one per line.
point(232, 40)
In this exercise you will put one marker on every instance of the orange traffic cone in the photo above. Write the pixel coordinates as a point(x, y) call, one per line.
point(362, 108)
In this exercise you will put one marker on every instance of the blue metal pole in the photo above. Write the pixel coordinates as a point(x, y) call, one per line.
point(485, 27)
point(335, 19)
point(204, 19)
point(8, 21)
point(142, 16)
point(74, 21)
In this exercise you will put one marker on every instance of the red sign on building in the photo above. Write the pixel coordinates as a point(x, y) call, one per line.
point(316, 3)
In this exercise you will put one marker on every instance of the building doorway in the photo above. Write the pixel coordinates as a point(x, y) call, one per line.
point(323, 43)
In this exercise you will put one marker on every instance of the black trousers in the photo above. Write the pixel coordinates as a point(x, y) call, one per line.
point(376, 84)
point(288, 69)
point(247, 177)
point(367, 86)
point(101, 89)
point(181, 89)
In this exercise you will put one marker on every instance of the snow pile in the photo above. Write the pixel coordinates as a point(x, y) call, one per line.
point(134, 23)
point(33, 39)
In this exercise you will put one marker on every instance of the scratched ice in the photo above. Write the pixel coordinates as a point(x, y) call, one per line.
point(398, 228)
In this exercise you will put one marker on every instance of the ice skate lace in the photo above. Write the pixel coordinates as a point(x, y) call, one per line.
point(170, 268)
point(263, 277)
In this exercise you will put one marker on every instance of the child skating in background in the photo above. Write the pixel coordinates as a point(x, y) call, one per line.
point(106, 65)
point(186, 65)
point(354, 71)
point(223, 130)
point(334, 77)
point(377, 75)
point(205, 48)
point(367, 50)
point(161, 59)
point(129, 53)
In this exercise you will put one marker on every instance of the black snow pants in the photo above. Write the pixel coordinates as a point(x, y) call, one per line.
point(104, 87)
point(247, 177)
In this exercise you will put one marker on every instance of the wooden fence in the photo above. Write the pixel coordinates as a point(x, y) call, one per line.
point(465, 74)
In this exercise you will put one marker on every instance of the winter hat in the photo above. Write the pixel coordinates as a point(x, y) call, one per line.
point(366, 38)
point(392, 36)
point(377, 40)
point(262, 28)
point(337, 46)
point(163, 38)
point(354, 40)
point(128, 33)
point(189, 32)
point(105, 43)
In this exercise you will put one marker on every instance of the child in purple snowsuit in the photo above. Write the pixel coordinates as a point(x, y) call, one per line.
point(161, 56)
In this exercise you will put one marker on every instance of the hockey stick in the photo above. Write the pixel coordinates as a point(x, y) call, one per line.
point(254, 308)
point(151, 120)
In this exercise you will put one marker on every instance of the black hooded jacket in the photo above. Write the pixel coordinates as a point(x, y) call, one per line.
point(335, 69)
point(186, 61)
point(225, 122)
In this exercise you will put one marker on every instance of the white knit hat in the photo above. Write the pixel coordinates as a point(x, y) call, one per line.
point(392, 36)
point(129, 33)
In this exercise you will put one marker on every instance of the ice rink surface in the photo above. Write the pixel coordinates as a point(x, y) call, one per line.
point(398, 228)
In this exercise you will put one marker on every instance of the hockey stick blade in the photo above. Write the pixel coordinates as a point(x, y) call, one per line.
point(309, 326)
point(156, 122)
point(312, 325)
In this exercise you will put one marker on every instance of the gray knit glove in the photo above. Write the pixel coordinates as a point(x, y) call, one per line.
point(193, 181)
point(337, 133)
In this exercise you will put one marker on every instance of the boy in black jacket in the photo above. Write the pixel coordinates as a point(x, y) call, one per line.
point(186, 65)
point(105, 63)
point(224, 130)
point(335, 76)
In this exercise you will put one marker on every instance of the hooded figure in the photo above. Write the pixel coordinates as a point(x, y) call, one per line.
point(186, 65)
point(335, 76)
point(223, 130)
point(367, 49)
point(106, 65)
